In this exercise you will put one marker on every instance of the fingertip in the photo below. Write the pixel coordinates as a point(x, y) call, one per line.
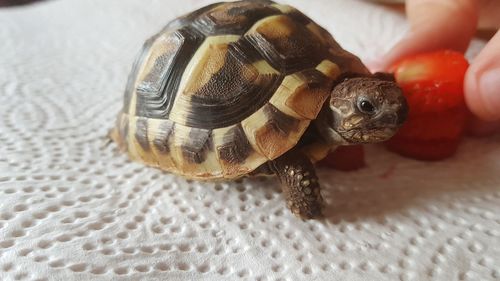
point(472, 99)
point(482, 82)
point(482, 92)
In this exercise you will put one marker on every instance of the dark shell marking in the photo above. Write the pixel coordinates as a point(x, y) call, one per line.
point(233, 18)
point(236, 148)
point(155, 97)
point(287, 45)
point(276, 130)
point(299, 17)
point(162, 137)
point(141, 132)
point(130, 87)
point(233, 92)
point(197, 145)
point(278, 122)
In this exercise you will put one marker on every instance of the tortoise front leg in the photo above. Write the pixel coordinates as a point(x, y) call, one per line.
point(299, 184)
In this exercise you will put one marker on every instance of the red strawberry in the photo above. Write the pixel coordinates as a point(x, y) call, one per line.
point(433, 86)
point(345, 158)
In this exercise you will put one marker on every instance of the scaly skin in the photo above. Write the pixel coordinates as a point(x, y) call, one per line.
point(299, 184)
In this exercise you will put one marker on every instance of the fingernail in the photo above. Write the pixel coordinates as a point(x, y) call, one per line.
point(489, 89)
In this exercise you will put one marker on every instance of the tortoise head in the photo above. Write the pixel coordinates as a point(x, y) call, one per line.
point(362, 110)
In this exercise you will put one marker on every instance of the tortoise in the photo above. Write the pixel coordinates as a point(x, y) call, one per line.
point(252, 87)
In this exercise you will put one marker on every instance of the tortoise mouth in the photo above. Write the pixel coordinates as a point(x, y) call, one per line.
point(359, 136)
point(382, 134)
point(372, 135)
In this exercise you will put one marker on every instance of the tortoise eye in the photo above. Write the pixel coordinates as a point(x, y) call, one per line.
point(366, 106)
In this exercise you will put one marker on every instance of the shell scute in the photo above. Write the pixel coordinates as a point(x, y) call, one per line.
point(197, 146)
point(236, 147)
point(287, 45)
point(233, 17)
point(161, 75)
point(273, 132)
point(221, 86)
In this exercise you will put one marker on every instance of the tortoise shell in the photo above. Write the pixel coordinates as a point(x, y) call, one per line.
point(226, 88)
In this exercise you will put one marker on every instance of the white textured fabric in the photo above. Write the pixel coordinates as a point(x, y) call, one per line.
point(73, 208)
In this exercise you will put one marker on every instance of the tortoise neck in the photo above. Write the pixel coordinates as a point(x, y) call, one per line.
point(313, 135)
point(323, 126)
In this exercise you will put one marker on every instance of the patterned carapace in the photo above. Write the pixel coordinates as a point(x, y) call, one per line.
point(228, 87)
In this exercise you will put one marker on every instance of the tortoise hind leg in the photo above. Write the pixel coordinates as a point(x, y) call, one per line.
point(299, 183)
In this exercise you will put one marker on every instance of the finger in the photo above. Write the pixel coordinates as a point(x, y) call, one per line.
point(435, 24)
point(482, 82)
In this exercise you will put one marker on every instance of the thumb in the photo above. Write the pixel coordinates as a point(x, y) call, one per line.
point(482, 82)
point(434, 24)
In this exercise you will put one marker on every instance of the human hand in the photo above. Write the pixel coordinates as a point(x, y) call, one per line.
point(451, 24)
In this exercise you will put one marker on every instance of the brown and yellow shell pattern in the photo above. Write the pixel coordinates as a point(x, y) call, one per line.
point(224, 89)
